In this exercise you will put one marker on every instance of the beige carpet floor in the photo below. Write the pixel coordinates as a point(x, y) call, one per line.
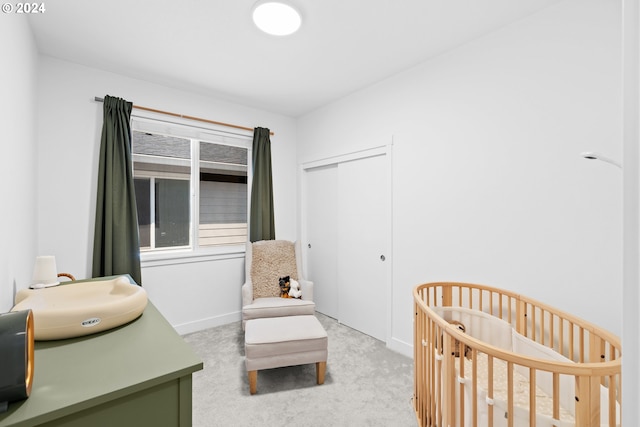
point(366, 384)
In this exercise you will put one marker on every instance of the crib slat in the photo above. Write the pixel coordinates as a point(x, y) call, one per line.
point(491, 305)
point(490, 389)
point(461, 387)
point(449, 385)
point(533, 323)
point(431, 369)
point(416, 355)
point(417, 377)
point(502, 315)
point(474, 390)
point(433, 365)
point(510, 394)
point(572, 343)
point(581, 338)
point(541, 329)
point(438, 375)
point(421, 392)
point(469, 297)
point(561, 349)
point(473, 301)
point(428, 367)
point(532, 397)
point(419, 381)
point(552, 330)
point(521, 318)
point(556, 396)
point(612, 401)
point(426, 394)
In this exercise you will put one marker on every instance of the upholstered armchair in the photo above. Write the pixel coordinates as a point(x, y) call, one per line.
point(266, 261)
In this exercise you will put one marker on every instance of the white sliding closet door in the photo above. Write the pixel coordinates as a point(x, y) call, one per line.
point(321, 237)
point(348, 241)
point(362, 245)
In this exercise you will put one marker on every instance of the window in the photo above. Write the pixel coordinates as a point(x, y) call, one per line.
point(222, 195)
point(177, 169)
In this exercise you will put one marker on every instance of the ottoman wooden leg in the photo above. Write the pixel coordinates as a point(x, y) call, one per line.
point(253, 381)
point(320, 369)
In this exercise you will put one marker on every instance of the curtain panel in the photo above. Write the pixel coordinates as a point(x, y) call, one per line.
point(261, 221)
point(116, 247)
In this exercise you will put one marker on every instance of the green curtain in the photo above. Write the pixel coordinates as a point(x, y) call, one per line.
point(116, 247)
point(261, 223)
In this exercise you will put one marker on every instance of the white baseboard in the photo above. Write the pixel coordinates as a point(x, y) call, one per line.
point(401, 347)
point(210, 322)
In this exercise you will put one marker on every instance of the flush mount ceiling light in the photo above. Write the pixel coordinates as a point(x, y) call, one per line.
point(276, 18)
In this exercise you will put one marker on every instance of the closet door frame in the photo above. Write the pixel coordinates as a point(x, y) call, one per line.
point(387, 152)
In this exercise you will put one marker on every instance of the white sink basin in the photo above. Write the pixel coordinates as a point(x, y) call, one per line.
point(82, 308)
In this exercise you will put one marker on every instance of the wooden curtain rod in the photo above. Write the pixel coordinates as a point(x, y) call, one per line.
point(182, 116)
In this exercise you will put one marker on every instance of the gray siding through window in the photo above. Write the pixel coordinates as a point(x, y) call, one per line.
point(222, 202)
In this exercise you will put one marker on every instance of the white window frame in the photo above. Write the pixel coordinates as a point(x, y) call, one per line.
point(150, 122)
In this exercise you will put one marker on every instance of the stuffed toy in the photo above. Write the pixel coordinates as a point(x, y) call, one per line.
point(456, 346)
point(468, 353)
point(295, 291)
point(285, 286)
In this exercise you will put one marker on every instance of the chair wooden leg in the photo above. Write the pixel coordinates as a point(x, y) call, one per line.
point(253, 381)
point(320, 370)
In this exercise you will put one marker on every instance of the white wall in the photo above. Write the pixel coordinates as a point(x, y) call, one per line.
point(488, 183)
point(17, 161)
point(190, 296)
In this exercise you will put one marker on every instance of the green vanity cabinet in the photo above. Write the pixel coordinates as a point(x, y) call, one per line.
point(138, 374)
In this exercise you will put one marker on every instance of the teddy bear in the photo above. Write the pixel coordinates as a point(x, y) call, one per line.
point(456, 345)
point(285, 286)
point(295, 291)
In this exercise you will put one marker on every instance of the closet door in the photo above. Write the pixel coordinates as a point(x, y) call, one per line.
point(321, 215)
point(363, 244)
point(347, 240)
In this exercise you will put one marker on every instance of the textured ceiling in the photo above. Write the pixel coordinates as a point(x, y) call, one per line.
point(212, 47)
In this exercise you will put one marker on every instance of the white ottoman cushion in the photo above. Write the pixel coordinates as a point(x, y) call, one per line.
point(284, 341)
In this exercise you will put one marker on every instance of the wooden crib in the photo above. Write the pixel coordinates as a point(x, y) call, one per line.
point(516, 354)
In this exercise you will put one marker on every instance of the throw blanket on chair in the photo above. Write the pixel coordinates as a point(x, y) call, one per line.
point(271, 259)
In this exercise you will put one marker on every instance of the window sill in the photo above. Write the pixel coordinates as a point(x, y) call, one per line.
point(187, 256)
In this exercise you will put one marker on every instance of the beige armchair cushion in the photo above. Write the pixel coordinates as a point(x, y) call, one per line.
point(277, 307)
point(272, 259)
point(274, 306)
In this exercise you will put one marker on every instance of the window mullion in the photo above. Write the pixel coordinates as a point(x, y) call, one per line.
point(152, 214)
point(195, 191)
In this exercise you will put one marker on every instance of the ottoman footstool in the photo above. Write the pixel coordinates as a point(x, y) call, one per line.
point(275, 342)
